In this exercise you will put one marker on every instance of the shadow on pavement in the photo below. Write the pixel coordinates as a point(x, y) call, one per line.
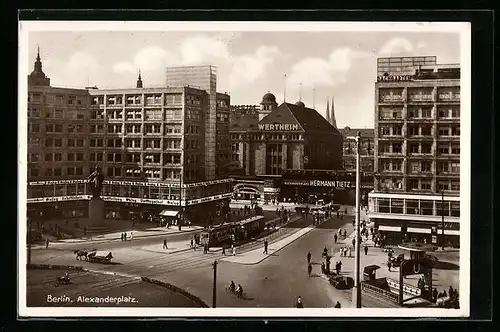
point(445, 266)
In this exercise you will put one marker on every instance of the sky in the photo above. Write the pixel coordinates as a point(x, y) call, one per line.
point(311, 66)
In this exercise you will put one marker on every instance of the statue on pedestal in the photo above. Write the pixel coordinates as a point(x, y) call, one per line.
point(95, 181)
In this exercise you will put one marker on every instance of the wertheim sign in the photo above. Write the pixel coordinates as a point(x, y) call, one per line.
point(278, 127)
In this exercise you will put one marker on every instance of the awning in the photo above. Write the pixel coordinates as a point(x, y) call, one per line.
point(389, 228)
point(419, 230)
point(370, 268)
point(169, 213)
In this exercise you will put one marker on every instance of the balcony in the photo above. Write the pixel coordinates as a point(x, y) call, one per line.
point(420, 98)
point(391, 98)
point(449, 97)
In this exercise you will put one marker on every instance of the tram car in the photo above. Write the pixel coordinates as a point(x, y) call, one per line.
point(229, 232)
point(219, 234)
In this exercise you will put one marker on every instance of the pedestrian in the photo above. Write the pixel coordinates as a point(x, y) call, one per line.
point(131, 236)
point(191, 244)
point(46, 243)
point(224, 250)
point(234, 250)
point(389, 264)
point(122, 236)
point(450, 292)
point(84, 231)
point(341, 251)
point(309, 257)
point(335, 238)
point(309, 269)
point(323, 270)
point(337, 305)
point(337, 267)
point(165, 244)
point(350, 252)
point(340, 266)
point(265, 247)
point(434, 295)
point(299, 303)
point(353, 242)
point(366, 250)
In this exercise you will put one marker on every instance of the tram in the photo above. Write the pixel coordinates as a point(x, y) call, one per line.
point(231, 232)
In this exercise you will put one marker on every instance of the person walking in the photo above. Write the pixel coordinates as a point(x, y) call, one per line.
point(337, 267)
point(309, 269)
point(265, 247)
point(308, 257)
point(165, 244)
point(224, 250)
point(191, 243)
point(340, 266)
point(353, 242)
point(335, 238)
point(299, 303)
point(434, 295)
point(47, 243)
point(337, 305)
point(389, 265)
point(234, 250)
point(122, 236)
point(366, 250)
point(350, 252)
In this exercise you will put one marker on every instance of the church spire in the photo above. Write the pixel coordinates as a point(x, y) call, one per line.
point(333, 121)
point(139, 81)
point(37, 76)
point(328, 110)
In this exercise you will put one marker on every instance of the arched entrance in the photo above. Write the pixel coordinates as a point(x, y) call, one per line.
point(246, 192)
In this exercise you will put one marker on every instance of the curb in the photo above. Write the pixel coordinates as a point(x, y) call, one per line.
point(113, 239)
point(55, 267)
point(176, 289)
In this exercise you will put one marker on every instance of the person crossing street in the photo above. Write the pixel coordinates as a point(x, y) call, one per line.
point(309, 257)
point(265, 247)
point(309, 269)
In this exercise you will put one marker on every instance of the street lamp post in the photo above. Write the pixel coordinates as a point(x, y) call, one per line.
point(357, 286)
point(442, 219)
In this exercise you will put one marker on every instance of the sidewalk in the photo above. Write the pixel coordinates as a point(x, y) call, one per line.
point(116, 236)
point(256, 256)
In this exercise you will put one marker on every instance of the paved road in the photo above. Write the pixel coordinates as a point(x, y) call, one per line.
point(275, 282)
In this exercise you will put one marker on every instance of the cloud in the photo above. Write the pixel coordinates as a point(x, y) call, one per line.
point(124, 67)
point(198, 49)
point(76, 71)
point(314, 71)
point(396, 46)
point(248, 68)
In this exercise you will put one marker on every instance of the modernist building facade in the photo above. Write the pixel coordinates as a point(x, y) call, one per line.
point(417, 150)
point(149, 142)
point(350, 149)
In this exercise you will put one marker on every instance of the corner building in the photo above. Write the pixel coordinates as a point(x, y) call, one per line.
point(149, 142)
point(417, 150)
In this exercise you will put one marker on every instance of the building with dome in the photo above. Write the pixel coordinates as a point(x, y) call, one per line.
point(279, 139)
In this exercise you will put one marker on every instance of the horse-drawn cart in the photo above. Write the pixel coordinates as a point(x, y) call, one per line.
point(93, 257)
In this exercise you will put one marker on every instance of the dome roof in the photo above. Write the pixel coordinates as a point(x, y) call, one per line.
point(300, 104)
point(268, 98)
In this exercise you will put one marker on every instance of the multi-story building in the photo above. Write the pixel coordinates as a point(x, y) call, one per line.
point(350, 149)
point(417, 150)
point(149, 142)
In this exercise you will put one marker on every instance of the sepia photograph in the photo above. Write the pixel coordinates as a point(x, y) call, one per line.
point(244, 169)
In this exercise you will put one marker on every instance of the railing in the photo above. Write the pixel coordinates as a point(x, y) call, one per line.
point(377, 291)
point(408, 289)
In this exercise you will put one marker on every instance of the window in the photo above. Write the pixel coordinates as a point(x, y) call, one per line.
point(80, 115)
point(427, 208)
point(455, 112)
point(71, 143)
point(152, 128)
point(443, 149)
point(173, 114)
point(114, 157)
point(412, 130)
point(426, 148)
point(411, 205)
point(455, 185)
point(152, 143)
point(384, 148)
point(425, 185)
point(114, 143)
point(133, 99)
point(35, 157)
point(133, 158)
point(443, 113)
point(412, 113)
point(383, 205)
point(396, 148)
point(133, 143)
point(396, 130)
point(133, 129)
point(455, 130)
point(134, 114)
point(153, 114)
point(443, 167)
point(173, 99)
point(397, 166)
point(414, 167)
point(70, 156)
point(426, 130)
point(425, 166)
point(58, 142)
point(414, 148)
point(79, 157)
point(57, 171)
point(48, 172)
point(152, 158)
point(455, 149)
point(59, 114)
point(455, 167)
point(57, 156)
point(48, 157)
point(397, 205)
point(444, 131)
point(443, 185)
point(79, 143)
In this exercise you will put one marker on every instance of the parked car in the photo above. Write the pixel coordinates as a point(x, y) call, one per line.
point(339, 282)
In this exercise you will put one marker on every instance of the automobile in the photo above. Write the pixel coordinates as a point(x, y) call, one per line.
point(339, 282)
point(433, 260)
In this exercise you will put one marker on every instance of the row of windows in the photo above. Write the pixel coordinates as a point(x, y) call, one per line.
point(34, 112)
point(416, 167)
point(153, 99)
point(149, 115)
point(418, 184)
point(419, 130)
point(443, 112)
point(419, 148)
point(419, 207)
point(36, 97)
point(146, 143)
